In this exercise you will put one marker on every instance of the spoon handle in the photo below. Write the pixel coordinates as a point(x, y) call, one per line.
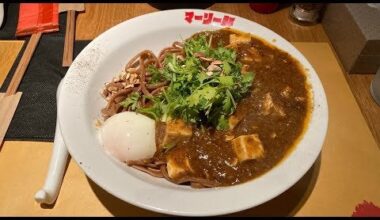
point(49, 192)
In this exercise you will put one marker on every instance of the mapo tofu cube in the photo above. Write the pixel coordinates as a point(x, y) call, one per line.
point(248, 147)
point(178, 165)
point(269, 107)
point(170, 133)
point(235, 119)
point(241, 38)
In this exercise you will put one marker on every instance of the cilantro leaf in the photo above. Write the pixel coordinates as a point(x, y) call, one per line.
point(131, 101)
point(192, 94)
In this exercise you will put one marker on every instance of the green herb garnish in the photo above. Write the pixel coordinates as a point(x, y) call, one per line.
point(131, 101)
point(194, 94)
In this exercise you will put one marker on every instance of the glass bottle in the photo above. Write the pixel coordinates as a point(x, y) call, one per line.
point(305, 13)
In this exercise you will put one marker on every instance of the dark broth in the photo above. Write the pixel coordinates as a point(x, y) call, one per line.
point(211, 155)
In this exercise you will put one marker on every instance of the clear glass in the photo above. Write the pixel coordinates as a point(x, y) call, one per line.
point(305, 13)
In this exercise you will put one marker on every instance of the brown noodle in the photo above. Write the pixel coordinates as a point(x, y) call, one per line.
point(135, 78)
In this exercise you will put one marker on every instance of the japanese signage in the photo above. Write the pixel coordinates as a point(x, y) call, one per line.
point(208, 18)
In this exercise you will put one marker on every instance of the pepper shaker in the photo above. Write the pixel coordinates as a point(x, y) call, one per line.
point(305, 13)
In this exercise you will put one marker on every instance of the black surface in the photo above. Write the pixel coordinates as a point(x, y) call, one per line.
point(35, 117)
point(9, 25)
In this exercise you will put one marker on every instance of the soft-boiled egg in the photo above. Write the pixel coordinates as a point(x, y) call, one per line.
point(129, 136)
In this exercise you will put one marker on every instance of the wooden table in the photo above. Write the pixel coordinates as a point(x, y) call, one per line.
point(339, 179)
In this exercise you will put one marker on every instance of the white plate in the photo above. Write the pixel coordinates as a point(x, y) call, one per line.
point(105, 56)
point(1, 13)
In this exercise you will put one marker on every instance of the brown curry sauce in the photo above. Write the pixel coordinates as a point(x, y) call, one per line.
point(277, 74)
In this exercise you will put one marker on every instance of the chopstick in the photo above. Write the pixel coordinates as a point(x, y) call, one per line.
point(69, 39)
point(23, 64)
point(8, 106)
point(10, 99)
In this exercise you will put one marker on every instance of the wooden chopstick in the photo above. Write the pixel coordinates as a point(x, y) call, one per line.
point(8, 106)
point(69, 39)
point(9, 101)
point(23, 64)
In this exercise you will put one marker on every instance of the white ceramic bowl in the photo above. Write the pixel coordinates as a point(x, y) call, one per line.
point(80, 103)
point(1, 13)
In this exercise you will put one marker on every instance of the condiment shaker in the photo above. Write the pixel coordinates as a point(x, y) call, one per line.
point(305, 13)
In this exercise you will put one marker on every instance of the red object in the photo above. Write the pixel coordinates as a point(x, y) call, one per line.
point(227, 21)
point(198, 17)
point(264, 8)
point(366, 209)
point(35, 18)
point(209, 18)
point(217, 20)
point(189, 16)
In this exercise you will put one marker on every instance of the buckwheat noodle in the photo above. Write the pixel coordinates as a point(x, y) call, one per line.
point(135, 78)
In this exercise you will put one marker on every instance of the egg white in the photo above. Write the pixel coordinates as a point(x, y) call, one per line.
point(129, 136)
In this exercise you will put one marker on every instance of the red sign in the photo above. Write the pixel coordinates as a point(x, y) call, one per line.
point(208, 18)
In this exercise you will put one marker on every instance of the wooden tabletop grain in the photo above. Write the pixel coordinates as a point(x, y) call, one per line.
point(11, 49)
point(334, 192)
point(100, 17)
